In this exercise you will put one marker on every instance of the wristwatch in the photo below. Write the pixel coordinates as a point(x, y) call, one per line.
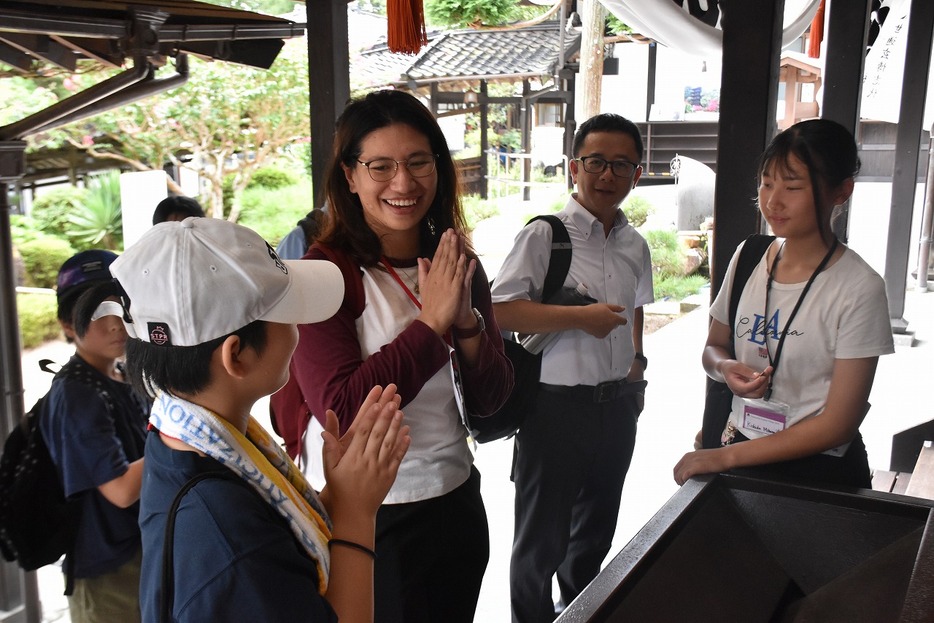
point(466, 334)
point(643, 359)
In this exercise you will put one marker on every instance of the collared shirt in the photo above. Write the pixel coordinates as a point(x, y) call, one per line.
point(617, 269)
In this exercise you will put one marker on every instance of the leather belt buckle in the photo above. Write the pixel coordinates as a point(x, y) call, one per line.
point(607, 391)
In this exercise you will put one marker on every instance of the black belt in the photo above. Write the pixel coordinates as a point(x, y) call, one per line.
point(604, 392)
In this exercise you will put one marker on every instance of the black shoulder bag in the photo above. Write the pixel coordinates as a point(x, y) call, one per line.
point(719, 400)
point(527, 367)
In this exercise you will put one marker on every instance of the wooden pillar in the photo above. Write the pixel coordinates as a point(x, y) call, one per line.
point(907, 145)
point(19, 591)
point(526, 121)
point(570, 123)
point(650, 80)
point(328, 81)
point(748, 91)
point(847, 37)
point(484, 142)
point(591, 63)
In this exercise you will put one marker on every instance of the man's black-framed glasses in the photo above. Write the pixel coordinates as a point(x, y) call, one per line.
point(596, 164)
point(384, 169)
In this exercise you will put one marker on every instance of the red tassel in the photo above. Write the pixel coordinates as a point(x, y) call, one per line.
point(406, 25)
point(817, 32)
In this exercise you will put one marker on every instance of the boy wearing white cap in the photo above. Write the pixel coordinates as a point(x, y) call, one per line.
point(211, 311)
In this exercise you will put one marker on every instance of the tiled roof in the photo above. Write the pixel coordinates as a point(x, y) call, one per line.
point(466, 54)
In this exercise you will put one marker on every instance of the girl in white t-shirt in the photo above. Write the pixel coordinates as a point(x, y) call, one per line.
point(810, 326)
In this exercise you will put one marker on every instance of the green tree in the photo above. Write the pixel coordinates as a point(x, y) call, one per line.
point(470, 13)
point(227, 120)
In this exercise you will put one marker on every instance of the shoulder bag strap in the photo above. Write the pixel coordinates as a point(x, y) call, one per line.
point(753, 250)
point(560, 262)
point(168, 543)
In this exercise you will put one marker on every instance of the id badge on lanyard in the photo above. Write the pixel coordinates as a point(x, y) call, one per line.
point(764, 416)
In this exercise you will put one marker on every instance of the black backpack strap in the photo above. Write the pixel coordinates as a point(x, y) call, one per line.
point(560, 262)
point(753, 250)
point(168, 543)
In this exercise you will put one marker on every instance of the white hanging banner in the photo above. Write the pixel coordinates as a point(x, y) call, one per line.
point(885, 65)
point(672, 24)
point(885, 68)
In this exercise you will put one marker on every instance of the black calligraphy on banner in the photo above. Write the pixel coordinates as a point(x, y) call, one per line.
point(877, 15)
point(707, 11)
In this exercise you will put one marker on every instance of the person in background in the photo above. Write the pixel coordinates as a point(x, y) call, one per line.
point(811, 324)
point(574, 449)
point(296, 243)
point(417, 313)
point(176, 208)
point(252, 540)
point(95, 428)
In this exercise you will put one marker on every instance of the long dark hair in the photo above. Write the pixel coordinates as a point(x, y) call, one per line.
point(825, 148)
point(346, 228)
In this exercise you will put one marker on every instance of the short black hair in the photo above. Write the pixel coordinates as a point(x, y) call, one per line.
point(608, 122)
point(66, 304)
point(176, 204)
point(182, 369)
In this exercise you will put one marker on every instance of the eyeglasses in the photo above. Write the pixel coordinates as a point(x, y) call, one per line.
point(384, 169)
point(595, 164)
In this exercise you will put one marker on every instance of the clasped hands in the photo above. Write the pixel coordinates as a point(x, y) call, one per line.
point(444, 282)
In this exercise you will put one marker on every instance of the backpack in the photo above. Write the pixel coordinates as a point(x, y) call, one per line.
point(719, 398)
point(527, 367)
point(38, 525)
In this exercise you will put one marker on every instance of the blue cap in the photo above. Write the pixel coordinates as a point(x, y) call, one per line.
point(82, 268)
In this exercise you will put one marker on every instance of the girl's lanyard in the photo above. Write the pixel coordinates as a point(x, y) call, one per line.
point(794, 312)
point(455, 366)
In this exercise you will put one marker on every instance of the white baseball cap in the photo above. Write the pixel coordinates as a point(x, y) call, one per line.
point(193, 281)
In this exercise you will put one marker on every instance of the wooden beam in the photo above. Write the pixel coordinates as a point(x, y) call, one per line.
point(42, 47)
point(748, 92)
point(847, 37)
point(328, 80)
point(907, 145)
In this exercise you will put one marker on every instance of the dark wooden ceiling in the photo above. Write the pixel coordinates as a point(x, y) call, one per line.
point(38, 35)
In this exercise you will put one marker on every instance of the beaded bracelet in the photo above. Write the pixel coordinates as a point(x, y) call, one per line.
point(352, 545)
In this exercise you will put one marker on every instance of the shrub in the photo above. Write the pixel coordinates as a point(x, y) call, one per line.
point(24, 229)
point(274, 213)
point(637, 210)
point(51, 209)
point(272, 178)
point(42, 258)
point(677, 287)
point(97, 223)
point(477, 209)
point(38, 321)
point(667, 255)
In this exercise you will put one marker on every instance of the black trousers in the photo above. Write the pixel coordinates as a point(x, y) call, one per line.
point(431, 556)
point(571, 459)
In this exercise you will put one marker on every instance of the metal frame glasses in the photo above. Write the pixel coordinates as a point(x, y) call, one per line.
point(597, 165)
point(384, 169)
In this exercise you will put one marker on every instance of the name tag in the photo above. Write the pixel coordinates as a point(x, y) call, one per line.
point(766, 417)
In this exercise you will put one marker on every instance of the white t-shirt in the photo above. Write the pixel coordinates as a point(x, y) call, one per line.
point(439, 458)
point(616, 269)
point(845, 315)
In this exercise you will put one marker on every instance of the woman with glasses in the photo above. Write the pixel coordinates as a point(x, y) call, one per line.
point(416, 313)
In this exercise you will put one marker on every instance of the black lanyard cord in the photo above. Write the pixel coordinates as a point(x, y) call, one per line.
point(794, 312)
